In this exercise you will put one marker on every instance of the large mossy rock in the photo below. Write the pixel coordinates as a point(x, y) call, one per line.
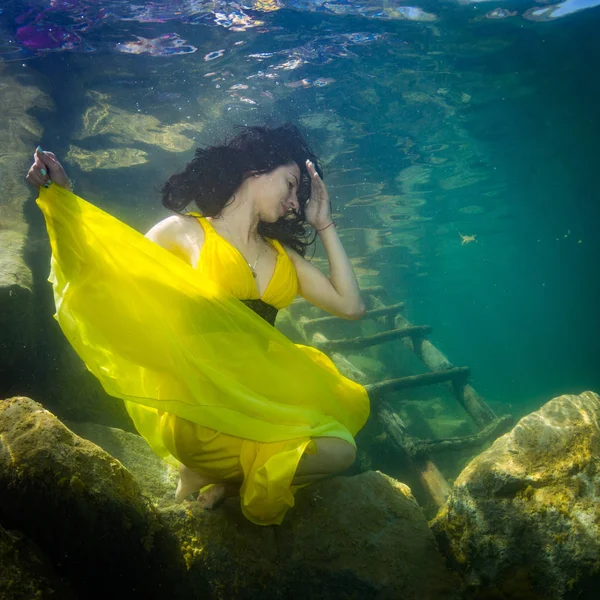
point(155, 477)
point(19, 135)
point(25, 573)
point(348, 537)
point(371, 527)
point(523, 519)
point(82, 508)
point(101, 528)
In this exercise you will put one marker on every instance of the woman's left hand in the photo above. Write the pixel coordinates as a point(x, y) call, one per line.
point(318, 208)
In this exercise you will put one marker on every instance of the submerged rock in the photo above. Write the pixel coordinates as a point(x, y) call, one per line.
point(523, 519)
point(82, 508)
point(369, 526)
point(124, 128)
point(362, 536)
point(347, 537)
point(19, 133)
point(26, 574)
point(157, 478)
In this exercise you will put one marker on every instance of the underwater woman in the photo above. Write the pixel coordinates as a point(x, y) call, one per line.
point(261, 416)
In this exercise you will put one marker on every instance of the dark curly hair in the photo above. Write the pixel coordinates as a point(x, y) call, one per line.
point(216, 172)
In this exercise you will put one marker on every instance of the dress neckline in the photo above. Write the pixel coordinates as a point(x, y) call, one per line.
point(273, 243)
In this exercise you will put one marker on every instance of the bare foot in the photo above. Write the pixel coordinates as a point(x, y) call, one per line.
point(213, 496)
point(216, 493)
point(189, 482)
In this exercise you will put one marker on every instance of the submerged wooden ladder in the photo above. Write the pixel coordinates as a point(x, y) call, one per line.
point(416, 452)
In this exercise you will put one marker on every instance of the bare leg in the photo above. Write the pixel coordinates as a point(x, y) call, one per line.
point(333, 456)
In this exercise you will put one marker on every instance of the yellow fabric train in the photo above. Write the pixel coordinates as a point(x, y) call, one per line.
point(169, 340)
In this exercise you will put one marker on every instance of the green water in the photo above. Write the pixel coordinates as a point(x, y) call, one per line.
point(428, 130)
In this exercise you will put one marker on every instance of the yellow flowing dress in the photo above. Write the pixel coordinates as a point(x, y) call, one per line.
point(206, 381)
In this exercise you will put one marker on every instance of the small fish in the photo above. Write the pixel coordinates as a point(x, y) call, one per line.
point(467, 239)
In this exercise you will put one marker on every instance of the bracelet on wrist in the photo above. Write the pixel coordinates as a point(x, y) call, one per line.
point(326, 226)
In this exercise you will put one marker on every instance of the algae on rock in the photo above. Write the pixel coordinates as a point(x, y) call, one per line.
point(19, 133)
point(81, 507)
point(25, 573)
point(523, 518)
point(348, 537)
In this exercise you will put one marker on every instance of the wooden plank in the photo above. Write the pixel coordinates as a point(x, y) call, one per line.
point(432, 480)
point(370, 340)
point(495, 429)
point(376, 390)
point(372, 289)
point(310, 325)
point(469, 399)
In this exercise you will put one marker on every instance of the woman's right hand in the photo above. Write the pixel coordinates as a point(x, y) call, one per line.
point(46, 169)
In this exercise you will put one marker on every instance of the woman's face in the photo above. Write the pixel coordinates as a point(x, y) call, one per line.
point(276, 192)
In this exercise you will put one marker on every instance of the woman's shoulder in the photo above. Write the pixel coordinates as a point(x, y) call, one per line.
point(180, 234)
point(173, 226)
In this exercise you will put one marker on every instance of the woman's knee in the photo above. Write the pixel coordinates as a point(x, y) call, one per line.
point(341, 455)
point(347, 455)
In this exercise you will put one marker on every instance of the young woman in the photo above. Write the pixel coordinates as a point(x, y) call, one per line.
point(255, 196)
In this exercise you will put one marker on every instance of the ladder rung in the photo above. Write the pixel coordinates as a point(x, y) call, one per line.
point(495, 429)
point(309, 325)
point(381, 388)
point(391, 309)
point(369, 290)
point(372, 289)
point(373, 340)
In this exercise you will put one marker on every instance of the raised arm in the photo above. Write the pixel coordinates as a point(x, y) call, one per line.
point(339, 293)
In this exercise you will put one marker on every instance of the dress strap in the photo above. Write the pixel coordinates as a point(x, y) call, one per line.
point(203, 222)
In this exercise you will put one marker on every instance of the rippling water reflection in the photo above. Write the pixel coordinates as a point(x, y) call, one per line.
point(52, 25)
